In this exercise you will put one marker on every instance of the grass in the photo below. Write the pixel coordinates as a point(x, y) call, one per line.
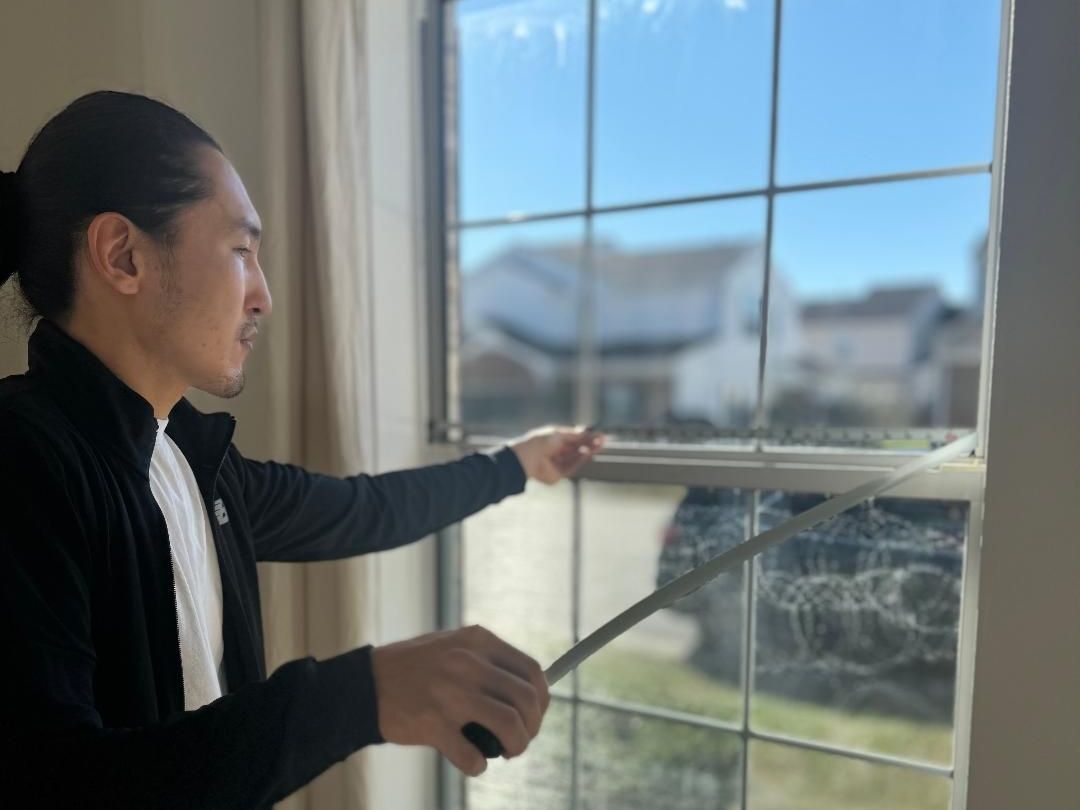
point(640, 678)
point(782, 777)
point(633, 763)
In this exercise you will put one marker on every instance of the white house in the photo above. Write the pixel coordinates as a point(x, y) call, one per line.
point(670, 333)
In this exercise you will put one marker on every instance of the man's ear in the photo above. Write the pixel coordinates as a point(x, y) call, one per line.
point(113, 252)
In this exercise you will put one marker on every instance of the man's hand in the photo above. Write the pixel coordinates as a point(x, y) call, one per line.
point(553, 453)
point(430, 687)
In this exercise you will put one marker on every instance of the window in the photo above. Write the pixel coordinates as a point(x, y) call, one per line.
point(749, 239)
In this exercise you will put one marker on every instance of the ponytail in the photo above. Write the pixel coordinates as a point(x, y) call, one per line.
point(105, 152)
point(9, 227)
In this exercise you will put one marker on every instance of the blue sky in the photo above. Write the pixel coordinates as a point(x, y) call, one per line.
point(682, 108)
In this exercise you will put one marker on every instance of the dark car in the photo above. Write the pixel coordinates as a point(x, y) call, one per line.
point(861, 612)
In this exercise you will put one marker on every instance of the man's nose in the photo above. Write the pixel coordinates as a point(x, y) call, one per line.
point(260, 300)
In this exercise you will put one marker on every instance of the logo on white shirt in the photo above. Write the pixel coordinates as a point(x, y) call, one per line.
point(220, 513)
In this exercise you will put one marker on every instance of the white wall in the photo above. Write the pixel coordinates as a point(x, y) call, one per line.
point(201, 56)
point(50, 52)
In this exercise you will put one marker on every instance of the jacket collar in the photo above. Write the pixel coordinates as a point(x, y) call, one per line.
point(116, 418)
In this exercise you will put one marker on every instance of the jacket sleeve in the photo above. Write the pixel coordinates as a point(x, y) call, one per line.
point(298, 515)
point(245, 750)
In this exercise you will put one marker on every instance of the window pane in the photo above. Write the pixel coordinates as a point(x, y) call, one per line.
point(682, 98)
point(786, 778)
point(638, 763)
point(857, 623)
point(885, 86)
point(516, 570)
point(677, 306)
point(875, 315)
point(635, 538)
point(520, 305)
point(520, 106)
point(539, 780)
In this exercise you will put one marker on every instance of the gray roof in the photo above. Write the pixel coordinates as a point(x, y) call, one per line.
point(646, 301)
point(883, 302)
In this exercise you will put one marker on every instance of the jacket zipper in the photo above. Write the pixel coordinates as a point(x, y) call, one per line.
point(176, 604)
point(172, 567)
point(172, 575)
point(176, 615)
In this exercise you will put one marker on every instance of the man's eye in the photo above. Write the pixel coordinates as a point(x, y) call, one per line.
point(243, 251)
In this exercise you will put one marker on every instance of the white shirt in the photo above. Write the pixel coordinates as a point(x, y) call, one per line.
point(195, 571)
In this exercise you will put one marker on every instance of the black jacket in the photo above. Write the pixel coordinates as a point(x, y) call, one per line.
point(90, 683)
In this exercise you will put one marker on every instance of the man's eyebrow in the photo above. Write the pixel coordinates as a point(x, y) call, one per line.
point(253, 230)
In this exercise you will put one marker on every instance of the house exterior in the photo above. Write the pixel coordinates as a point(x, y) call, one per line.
point(671, 333)
point(871, 353)
point(674, 335)
point(954, 369)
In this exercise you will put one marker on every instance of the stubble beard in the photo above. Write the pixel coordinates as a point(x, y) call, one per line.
point(226, 387)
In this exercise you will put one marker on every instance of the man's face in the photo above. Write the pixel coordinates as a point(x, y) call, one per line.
point(213, 291)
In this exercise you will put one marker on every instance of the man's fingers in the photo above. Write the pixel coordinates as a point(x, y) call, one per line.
point(584, 439)
point(589, 442)
point(514, 695)
point(575, 453)
point(568, 464)
point(524, 666)
point(521, 694)
point(462, 754)
point(503, 720)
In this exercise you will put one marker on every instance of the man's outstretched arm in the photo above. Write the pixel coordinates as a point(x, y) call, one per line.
point(297, 515)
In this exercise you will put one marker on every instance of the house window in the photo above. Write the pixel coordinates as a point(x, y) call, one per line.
point(731, 233)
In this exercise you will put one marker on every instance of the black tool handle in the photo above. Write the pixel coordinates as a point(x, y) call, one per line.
point(483, 739)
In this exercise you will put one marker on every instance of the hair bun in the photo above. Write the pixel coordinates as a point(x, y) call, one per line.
point(8, 225)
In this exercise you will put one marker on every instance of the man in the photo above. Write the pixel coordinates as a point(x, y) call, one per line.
point(130, 525)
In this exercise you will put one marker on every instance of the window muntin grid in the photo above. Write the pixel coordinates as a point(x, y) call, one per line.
point(854, 408)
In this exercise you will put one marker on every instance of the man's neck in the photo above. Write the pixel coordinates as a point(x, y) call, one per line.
point(125, 358)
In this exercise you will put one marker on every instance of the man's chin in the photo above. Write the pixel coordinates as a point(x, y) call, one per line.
point(225, 387)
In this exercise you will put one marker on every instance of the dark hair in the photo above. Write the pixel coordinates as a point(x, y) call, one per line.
point(106, 151)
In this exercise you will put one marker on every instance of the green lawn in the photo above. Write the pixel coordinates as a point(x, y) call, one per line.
point(782, 777)
point(634, 763)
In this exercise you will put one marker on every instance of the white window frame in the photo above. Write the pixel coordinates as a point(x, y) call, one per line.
point(444, 274)
point(1024, 741)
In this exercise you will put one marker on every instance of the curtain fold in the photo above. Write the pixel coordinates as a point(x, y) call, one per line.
point(316, 259)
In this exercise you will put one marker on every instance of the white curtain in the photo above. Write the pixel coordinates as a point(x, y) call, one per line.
point(317, 261)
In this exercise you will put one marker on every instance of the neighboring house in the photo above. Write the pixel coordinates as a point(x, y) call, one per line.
point(676, 334)
point(873, 353)
point(956, 354)
point(954, 369)
point(672, 333)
